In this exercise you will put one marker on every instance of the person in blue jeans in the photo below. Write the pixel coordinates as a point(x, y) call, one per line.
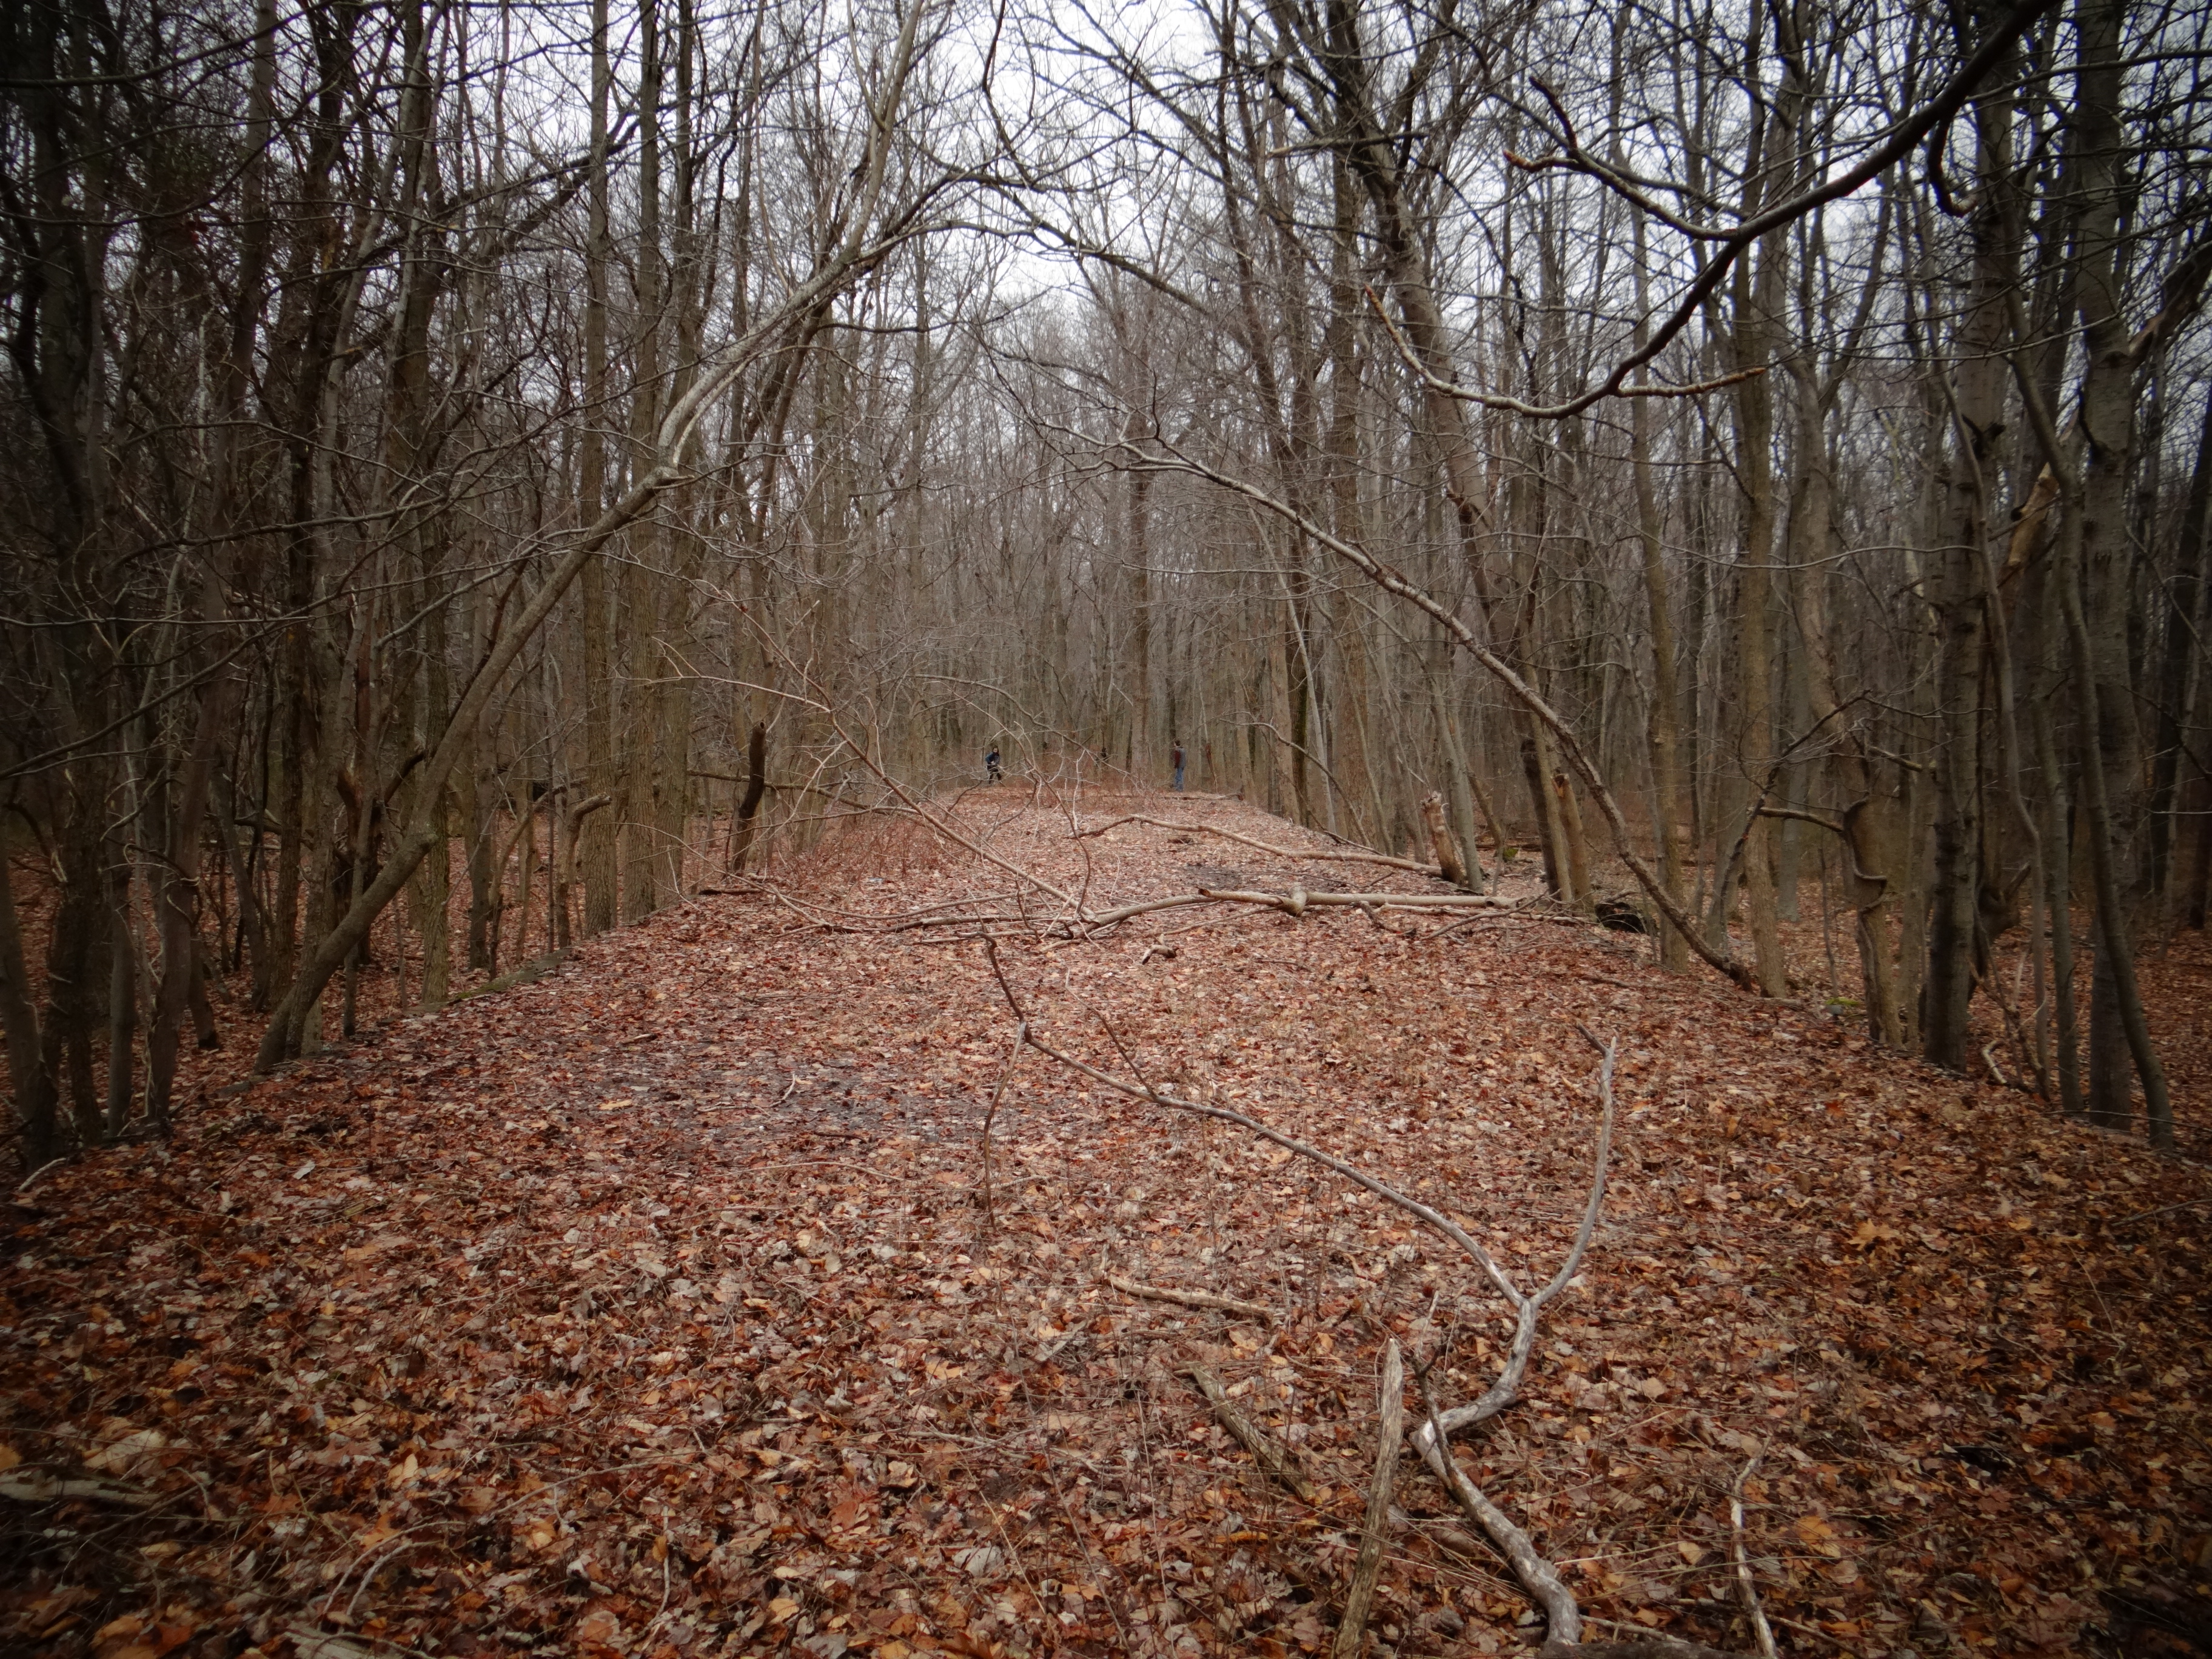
point(1175, 759)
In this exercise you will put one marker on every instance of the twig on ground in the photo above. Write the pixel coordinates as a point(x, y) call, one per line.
point(1382, 1189)
point(31, 1485)
point(1390, 1437)
point(1761, 1632)
point(1265, 1452)
point(1529, 1309)
point(990, 1115)
point(1447, 1536)
point(1192, 1299)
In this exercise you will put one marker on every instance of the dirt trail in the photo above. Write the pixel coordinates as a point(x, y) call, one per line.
point(649, 1308)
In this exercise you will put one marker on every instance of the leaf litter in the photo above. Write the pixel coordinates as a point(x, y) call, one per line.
point(651, 1308)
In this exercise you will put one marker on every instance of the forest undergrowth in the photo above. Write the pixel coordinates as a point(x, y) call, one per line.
point(655, 1308)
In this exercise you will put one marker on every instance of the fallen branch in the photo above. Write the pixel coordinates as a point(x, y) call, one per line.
point(1382, 1189)
point(1761, 1632)
point(1299, 900)
point(1537, 1575)
point(1527, 1309)
point(1375, 1534)
point(1192, 1299)
point(1535, 1572)
point(1357, 855)
point(35, 1486)
point(990, 1115)
point(1265, 1452)
point(1078, 923)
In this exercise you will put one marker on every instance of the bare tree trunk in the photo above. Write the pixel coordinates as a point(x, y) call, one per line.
point(1445, 845)
point(639, 827)
point(1872, 854)
point(1753, 408)
point(597, 851)
point(2119, 1039)
point(2184, 636)
point(29, 1065)
point(181, 900)
point(1663, 721)
point(1955, 953)
point(743, 822)
point(122, 997)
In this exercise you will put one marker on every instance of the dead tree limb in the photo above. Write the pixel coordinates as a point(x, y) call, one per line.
point(1249, 1434)
point(1526, 1306)
point(1357, 855)
point(1079, 923)
point(1537, 1575)
point(1299, 900)
point(1382, 1189)
point(1761, 1632)
point(1192, 1299)
point(1375, 1534)
point(990, 1116)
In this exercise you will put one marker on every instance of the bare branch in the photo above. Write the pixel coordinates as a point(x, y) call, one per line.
point(1761, 1632)
point(1390, 581)
point(1508, 405)
point(1537, 1575)
point(1375, 1534)
point(990, 1115)
point(1191, 1298)
point(1265, 1452)
point(1901, 141)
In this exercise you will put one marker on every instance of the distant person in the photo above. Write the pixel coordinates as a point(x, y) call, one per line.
point(1175, 759)
point(990, 767)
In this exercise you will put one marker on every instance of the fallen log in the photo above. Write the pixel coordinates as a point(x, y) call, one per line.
point(1351, 855)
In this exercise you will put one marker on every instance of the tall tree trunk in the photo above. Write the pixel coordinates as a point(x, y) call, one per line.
point(598, 830)
point(1663, 719)
point(179, 899)
point(2184, 638)
point(2119, 1039)
point(1753, 408)
point(1871, 850)
point(641, 861)
point(30, 1069)
point(1956, 952)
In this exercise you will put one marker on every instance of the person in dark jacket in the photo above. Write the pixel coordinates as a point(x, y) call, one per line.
point(991, 768)
point(1175, 759)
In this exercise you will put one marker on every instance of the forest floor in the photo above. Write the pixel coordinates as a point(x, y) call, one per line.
point(652, 1308)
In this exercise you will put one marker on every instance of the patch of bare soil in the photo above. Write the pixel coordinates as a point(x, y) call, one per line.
point(651, 1308)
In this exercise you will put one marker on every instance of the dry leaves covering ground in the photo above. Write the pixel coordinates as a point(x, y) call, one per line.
point(650, 1309)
